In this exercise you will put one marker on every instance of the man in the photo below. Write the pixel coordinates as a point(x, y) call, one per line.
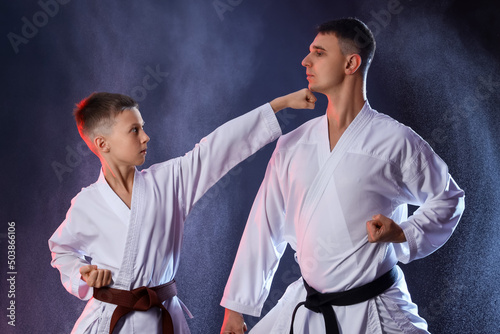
point(336, 189)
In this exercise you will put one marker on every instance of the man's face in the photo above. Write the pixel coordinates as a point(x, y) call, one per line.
point(127, 142)
point(325, 64)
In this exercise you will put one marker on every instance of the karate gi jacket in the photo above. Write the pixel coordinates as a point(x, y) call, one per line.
point(141, 245)
point(318, 201)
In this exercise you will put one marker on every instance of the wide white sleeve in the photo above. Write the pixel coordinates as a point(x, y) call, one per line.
point(427, 183)
point(260, 250)
point(223, 149)
point(68, 258)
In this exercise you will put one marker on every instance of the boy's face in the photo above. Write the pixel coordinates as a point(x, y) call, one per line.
point(127, 142)
point(325, 64)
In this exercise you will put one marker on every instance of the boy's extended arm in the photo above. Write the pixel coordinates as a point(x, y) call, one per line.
point(232, 143)
point(302, 99)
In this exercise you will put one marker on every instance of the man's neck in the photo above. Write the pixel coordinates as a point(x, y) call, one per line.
point(343, 107)
point(340, 114)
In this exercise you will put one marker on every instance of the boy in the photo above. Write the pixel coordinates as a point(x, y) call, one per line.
point(124, 232)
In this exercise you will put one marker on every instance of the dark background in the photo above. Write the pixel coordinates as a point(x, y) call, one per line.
point(436, 69)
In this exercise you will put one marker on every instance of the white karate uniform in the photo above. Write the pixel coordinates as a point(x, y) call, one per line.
point(319, 202)
point(141, 246)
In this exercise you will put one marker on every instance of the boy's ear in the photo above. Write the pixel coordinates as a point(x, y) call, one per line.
point(353, 63)
point(101, 144)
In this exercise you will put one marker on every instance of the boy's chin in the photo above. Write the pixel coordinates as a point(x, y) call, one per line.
point(140, 162)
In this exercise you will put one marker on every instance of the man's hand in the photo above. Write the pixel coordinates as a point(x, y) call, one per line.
point(96, 278)
point(302, 99)
point(233, 323)
point(383, 229)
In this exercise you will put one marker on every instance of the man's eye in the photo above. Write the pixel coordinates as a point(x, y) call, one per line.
point(134, 130)
point(319, 53)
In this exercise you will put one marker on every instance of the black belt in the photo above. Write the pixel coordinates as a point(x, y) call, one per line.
point(321, 302)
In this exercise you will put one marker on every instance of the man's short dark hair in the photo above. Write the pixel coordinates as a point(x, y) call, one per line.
point(354, 37)
point(97, 112)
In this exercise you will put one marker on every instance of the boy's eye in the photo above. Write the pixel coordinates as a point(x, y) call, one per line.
point(135, 129)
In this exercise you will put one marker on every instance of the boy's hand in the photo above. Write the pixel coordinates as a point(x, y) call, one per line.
point(384, 229)
point(302, 99)
point(233, 323)
point(96, 278)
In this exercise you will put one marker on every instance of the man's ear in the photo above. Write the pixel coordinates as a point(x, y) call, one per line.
point(353, 64)
point(101, 144)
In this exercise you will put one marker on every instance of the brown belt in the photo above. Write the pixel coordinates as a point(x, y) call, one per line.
point(140, 299)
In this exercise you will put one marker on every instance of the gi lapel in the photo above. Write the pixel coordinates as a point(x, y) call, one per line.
point(126, 274)
point(320, 182)
point(123, 280)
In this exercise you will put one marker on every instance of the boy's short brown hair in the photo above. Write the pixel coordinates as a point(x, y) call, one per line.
point(95, 114)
